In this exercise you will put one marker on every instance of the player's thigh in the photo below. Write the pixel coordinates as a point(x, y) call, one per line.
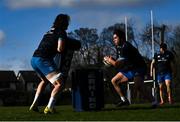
point(119, 77)
point(168, 82)
point(168, 78)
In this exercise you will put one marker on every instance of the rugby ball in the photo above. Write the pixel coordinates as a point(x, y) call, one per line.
point(106, 62)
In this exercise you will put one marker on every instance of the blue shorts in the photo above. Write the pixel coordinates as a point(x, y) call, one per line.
point(130, 74)
point(162, 77)
point(43, 66)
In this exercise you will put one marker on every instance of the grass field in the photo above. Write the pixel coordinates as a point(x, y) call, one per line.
point(133, 112)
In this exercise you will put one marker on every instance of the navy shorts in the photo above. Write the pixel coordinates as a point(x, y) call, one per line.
point(162, 77)
point(43, 66)
point(130, 74)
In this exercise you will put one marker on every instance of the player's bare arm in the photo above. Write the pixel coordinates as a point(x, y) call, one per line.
point(61, 45)
point(151, 68)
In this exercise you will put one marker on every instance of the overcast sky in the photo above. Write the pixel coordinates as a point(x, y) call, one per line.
point(23, 22)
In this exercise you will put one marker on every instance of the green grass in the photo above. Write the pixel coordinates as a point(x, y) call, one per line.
point(134, 112)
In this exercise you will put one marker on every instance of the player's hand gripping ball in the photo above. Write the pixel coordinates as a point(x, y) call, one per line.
point(106, 62)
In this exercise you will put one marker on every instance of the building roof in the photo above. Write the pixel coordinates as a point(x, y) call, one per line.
point(7, 76)
point(28, 76)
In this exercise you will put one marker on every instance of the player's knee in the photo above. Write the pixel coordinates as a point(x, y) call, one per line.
point(113, 81)
point(58, 85)
point(161, 88)
point(168, 88)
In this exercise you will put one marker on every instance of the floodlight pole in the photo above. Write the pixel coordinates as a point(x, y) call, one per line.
point(128, 84)
point(152, 33)
point(126, 28)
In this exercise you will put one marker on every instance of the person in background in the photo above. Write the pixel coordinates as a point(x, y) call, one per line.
point(164, 64)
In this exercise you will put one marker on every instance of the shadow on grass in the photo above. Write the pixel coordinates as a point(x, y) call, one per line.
point(140, 107)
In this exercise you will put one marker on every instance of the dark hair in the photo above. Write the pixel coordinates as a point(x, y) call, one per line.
point(120, 33)
point(61, 20)
point(163, 46)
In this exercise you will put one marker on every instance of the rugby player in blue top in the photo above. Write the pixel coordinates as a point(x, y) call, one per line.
point(130, 64)
point(52, 43)
point(164, 64)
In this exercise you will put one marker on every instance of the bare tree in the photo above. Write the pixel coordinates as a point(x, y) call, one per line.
point(161, 35)
point(88, 38)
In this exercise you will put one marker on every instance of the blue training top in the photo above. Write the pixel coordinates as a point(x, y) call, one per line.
point(48, 45)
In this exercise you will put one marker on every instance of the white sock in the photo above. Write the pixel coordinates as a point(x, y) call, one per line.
point(35, 101)
point(123, 99)
point(51, 103)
